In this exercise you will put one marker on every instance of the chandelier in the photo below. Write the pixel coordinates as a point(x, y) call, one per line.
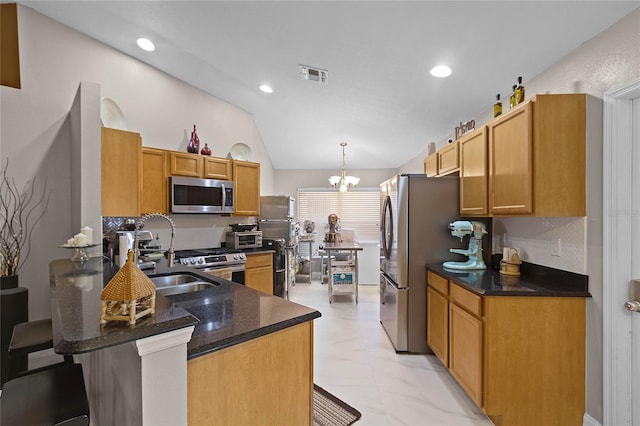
point(343, 183)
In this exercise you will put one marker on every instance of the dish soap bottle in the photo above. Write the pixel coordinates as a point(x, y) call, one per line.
point(206, 150)
point(519, 91)
point(194, 143)
point(497, 107)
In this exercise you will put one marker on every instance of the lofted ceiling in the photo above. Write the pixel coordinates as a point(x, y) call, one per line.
point(380, 98)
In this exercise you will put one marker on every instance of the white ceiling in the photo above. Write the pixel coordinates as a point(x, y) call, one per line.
point(380, 98)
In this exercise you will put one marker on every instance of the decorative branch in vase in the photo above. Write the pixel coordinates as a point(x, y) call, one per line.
point(20, 212)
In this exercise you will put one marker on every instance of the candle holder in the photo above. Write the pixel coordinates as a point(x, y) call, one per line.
point(80, 254)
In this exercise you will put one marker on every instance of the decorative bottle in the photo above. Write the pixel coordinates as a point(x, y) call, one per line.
point(519, 91)
point(194, 143)
point(512, 98)
point(206, 150)
point(497, 107)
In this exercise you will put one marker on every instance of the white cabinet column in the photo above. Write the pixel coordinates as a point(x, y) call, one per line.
point(164, 377)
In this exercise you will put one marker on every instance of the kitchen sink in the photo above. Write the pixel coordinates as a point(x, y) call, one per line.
point(166, 280)
point(172, 284)
point(172, 290)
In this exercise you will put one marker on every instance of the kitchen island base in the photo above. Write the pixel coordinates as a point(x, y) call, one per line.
point(264, 381)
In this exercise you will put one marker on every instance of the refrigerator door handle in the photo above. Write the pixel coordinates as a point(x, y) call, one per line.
point(387, 240)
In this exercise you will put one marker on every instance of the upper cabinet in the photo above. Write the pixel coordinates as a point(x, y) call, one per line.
point(473, 173)
point(199, 166)
point(9, 54)
point(537, 158)
point(155, 186)
point(120, 172)
point(530, 161)
point(443, 162)
point(246, 193)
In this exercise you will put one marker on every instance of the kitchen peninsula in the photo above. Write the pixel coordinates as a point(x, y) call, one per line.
point(194, 360)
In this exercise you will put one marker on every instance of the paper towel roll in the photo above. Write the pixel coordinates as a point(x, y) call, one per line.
point(125, 243)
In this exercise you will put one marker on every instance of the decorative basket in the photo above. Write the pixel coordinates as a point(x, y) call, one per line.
point(130, 295)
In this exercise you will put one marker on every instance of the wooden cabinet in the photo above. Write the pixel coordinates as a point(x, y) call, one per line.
point(154, 181)
point(120, 154)
point(199, 166)
point(443, 162)
point(185, 164)
point(10, 52)
point(521, 359)
point(537, 158)
point(465, 356)
point(258, 272)
point(246, 193)
point(216, 168)
point(474, 173)
point(265, 381)
point(448, 159)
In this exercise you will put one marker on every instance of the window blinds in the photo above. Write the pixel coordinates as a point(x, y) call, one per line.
point(357, 210)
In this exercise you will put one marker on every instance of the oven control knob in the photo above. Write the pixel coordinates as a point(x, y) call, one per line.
point(184, 261)
point(193, 261)
point(200, 260)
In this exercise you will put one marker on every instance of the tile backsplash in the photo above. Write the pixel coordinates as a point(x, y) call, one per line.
point(538, 237)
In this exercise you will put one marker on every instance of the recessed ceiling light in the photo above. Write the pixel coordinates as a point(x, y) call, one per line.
point(441, 71)
point(266, 88)
point(146, 44)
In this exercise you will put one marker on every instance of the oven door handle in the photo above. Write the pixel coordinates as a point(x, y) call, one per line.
point(237, 267)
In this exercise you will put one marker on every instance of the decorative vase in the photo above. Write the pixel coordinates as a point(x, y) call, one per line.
point(8, 282)
point(206, 150)
point(194, 142)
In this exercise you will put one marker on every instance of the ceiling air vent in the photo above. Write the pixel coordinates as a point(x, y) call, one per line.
point(314, 74)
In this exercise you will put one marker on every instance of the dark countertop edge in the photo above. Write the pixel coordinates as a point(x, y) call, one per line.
point(535, 283)
point(250, 335)
point(66, 347)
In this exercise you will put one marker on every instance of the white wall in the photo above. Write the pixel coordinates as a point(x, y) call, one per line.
point(38, 129)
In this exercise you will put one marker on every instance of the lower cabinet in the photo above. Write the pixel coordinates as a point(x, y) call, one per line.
point(258, 272)
point(521, 359)
point(264, 381)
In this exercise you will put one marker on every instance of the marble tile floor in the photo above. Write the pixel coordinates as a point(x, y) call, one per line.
point(355, 361)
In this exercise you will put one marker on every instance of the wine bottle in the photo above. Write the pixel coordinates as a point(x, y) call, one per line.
point(194, 142)
point(497, 107)
point(519, 91)
point(512, 98)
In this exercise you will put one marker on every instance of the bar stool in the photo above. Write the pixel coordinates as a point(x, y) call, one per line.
point(53, 394)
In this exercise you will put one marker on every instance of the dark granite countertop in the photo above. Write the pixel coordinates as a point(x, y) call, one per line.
point(533, 281)
point(224, 315)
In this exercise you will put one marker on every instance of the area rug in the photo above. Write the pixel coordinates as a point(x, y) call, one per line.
point(328, 410)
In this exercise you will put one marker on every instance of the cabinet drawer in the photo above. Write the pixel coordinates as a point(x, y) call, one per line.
point(437, 282)
point(257, 260)
point(464, 298)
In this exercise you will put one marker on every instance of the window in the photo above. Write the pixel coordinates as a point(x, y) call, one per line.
point(358, 210)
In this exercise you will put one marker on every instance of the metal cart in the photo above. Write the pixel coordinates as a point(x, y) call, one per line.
point(342, 261)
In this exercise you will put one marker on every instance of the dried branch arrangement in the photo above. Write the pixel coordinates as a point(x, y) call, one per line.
point(20, 211)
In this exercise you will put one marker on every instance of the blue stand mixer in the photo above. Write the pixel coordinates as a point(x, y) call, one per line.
point(461, 228)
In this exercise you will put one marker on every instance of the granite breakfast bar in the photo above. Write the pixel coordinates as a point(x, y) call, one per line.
point(160, 370)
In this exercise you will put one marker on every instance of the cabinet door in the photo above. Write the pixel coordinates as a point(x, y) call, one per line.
point(185, 164)
point(154, 181)
point(510, 162)
point(431, 165)
point(258, 272)
point(474, 173)
point(246, 192)
point(465, 356)
point(448, 161)
point(438, 325)
point(217, 168)
point(120, 172)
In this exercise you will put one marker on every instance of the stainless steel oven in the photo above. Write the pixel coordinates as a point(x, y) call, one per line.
point(208, 260)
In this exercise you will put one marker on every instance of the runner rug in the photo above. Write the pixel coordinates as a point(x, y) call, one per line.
point(328, 410)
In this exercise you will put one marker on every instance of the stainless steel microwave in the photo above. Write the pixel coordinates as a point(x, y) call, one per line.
point(193, 195)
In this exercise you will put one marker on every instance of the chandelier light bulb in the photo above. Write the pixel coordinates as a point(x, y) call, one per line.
point(343, 183)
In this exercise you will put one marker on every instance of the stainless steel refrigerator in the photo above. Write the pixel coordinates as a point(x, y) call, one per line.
point(416, 212)
point(276, 221)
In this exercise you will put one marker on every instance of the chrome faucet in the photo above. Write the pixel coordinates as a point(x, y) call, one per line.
point(143, 219)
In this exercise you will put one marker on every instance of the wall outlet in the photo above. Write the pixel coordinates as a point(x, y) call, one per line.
point(555, 247)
